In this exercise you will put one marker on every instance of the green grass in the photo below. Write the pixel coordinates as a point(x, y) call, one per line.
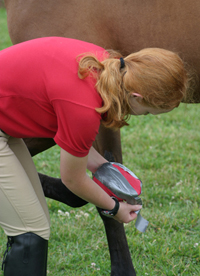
point(164, 151)
point(4, 37)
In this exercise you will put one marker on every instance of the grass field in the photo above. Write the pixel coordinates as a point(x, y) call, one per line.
point(164, 152)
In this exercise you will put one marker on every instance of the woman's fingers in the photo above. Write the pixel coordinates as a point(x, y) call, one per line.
point(126, 212)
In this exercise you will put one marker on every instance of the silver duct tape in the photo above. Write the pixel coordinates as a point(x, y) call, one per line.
point(117, 183)
point(141, 223)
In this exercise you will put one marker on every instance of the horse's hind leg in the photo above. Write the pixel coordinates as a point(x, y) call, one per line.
point(54, 188)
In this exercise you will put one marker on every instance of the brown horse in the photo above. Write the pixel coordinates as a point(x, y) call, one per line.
point(124, 25)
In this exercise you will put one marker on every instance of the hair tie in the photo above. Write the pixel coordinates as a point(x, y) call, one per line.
point(122, 63)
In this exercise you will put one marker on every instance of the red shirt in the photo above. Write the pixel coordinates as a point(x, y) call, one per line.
point(42, 96)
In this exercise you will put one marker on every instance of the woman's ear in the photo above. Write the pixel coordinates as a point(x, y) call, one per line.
point(136, 95)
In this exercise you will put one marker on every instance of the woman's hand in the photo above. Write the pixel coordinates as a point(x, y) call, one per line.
point(126, 212)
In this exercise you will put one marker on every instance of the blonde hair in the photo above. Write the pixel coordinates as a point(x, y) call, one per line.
point(158, 75)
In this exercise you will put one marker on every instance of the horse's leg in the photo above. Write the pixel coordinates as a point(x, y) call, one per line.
point(108, 143)
point(54, 188)
point(37, 145)
point(121, 263)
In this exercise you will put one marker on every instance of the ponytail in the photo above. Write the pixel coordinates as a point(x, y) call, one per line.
point(109, 84)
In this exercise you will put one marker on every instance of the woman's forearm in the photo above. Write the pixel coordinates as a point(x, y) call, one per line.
point(95, 160)
point(88, 190)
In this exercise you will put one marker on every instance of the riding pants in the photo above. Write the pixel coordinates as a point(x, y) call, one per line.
point(23, 206)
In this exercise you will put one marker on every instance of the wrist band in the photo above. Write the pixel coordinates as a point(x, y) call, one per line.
point(113, 212)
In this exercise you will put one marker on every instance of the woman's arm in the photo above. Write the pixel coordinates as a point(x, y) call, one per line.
point(73, 175)
point(95, 160)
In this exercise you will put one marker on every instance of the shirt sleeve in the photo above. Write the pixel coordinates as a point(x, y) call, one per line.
point(78, 126)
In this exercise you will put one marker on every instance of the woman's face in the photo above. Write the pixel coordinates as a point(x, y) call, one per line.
point(138, 109)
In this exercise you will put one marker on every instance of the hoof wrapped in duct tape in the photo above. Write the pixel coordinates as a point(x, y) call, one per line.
point(121, 183)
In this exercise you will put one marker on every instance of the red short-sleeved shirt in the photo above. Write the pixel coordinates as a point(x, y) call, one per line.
point(42, 96)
